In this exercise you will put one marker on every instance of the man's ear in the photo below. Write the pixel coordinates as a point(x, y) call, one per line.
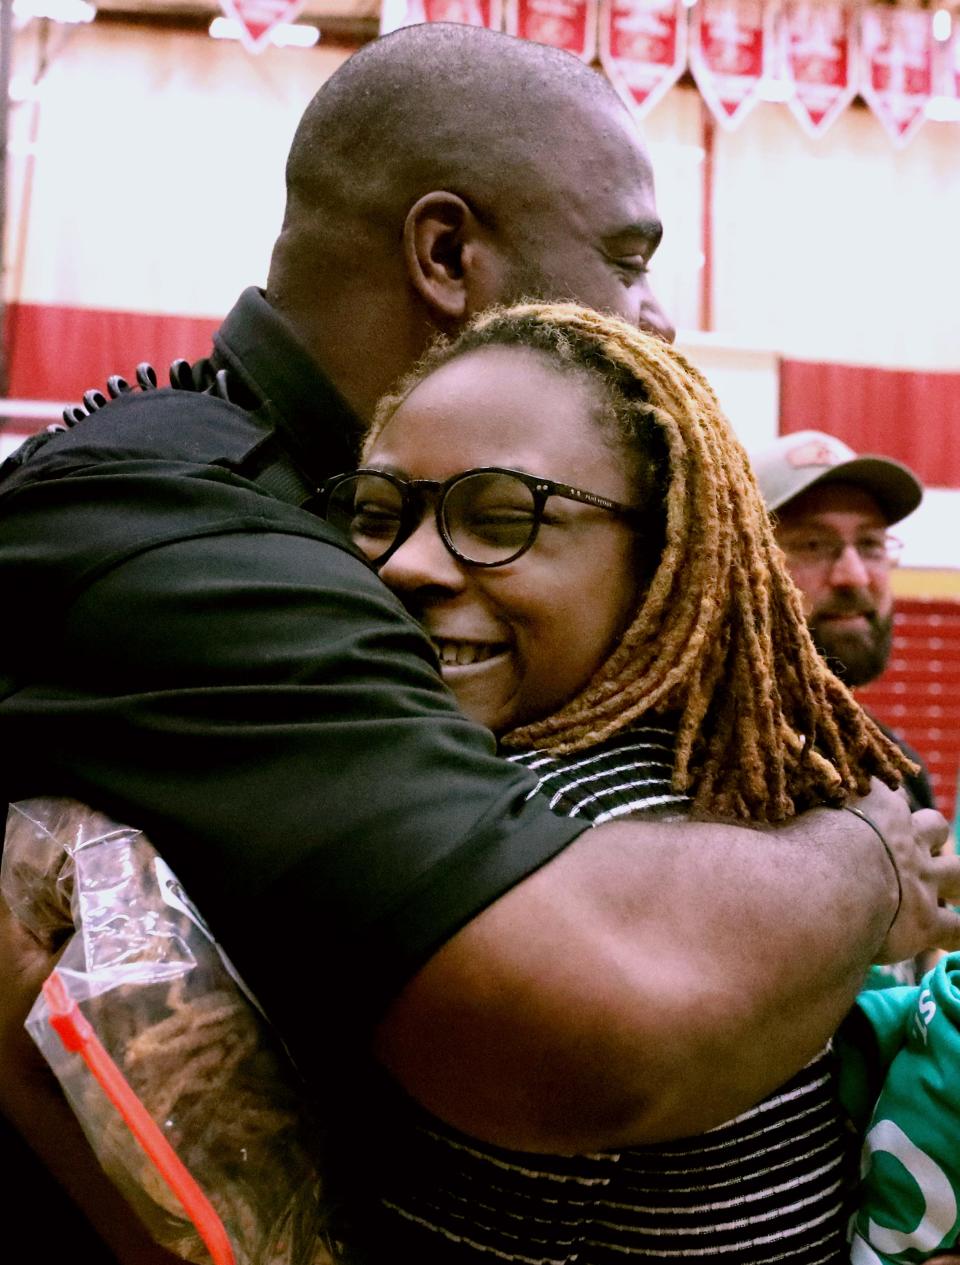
point(449, 260)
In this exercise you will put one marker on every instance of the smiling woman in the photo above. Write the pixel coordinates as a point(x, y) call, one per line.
point(558, 499)
point(502, 622)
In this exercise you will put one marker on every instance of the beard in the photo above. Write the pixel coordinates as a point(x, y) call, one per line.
point(855, 657)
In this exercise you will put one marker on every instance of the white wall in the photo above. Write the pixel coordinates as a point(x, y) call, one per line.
point(673, 133)
point(158, 174)
point(930, 535)
point(843, 248)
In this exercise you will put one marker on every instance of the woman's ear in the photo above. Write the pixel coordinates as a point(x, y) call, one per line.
point(449, 260)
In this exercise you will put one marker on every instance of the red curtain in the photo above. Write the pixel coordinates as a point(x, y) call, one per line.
point(912, 416)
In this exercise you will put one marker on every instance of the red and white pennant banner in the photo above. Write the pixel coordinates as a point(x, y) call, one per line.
point(896, 67)
point(567, 24)
point(730, 43)
point(818, 54)
point(258, 18)
point(643, 48)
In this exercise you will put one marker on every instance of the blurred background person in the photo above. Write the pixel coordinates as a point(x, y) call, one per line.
point(833, 509)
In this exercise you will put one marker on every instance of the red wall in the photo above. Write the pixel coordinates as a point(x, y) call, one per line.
point(57, 353)
point(919, 694)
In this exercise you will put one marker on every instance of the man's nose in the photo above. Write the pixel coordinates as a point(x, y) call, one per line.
point(849, 570)
point(654, 319)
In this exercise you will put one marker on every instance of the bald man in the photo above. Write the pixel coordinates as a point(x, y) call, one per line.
point(438, 172)
point(195, 653)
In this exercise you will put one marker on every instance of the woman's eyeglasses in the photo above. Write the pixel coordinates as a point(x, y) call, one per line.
point(486, 517)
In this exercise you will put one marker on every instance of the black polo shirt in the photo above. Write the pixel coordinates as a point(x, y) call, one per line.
point(192, 655)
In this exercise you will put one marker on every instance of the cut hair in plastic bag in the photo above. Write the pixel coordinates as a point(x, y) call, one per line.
point(171, 1013)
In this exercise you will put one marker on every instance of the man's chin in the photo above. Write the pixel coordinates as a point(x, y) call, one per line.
point(855, 657)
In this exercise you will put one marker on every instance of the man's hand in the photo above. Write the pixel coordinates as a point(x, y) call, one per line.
point(929, 877)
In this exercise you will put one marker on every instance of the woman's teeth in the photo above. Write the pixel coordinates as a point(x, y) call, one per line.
point(460, 653)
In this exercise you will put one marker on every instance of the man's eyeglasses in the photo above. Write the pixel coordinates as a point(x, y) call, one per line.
point(486, 517)
point(878, 550)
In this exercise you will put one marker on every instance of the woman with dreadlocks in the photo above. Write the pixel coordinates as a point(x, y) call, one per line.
point(559, 500)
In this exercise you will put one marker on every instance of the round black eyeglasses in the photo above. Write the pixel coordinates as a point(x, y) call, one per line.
point(486, 517)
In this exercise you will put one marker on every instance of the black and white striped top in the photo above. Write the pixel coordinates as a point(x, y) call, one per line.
point(627, 774)
point(768, 1186)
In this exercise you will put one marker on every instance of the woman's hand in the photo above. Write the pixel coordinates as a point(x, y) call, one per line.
point(31, 1100)
point(24, 964)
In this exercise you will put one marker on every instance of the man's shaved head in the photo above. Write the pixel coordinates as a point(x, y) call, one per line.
point(437, 106)
point(444, 168)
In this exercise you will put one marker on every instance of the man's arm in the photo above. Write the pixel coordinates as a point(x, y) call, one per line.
point(650, 981)
point(653, 979)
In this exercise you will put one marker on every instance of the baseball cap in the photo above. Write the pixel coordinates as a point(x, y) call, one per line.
point(807, 457)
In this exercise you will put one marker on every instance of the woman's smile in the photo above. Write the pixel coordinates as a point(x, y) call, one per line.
point(454, 653)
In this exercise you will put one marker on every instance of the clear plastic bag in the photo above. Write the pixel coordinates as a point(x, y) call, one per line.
point(174, 1016)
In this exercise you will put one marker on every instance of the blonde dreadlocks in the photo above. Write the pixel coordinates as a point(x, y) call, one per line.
point(719, 640)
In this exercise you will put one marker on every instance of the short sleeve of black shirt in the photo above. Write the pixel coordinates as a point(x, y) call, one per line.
point(217, 667)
